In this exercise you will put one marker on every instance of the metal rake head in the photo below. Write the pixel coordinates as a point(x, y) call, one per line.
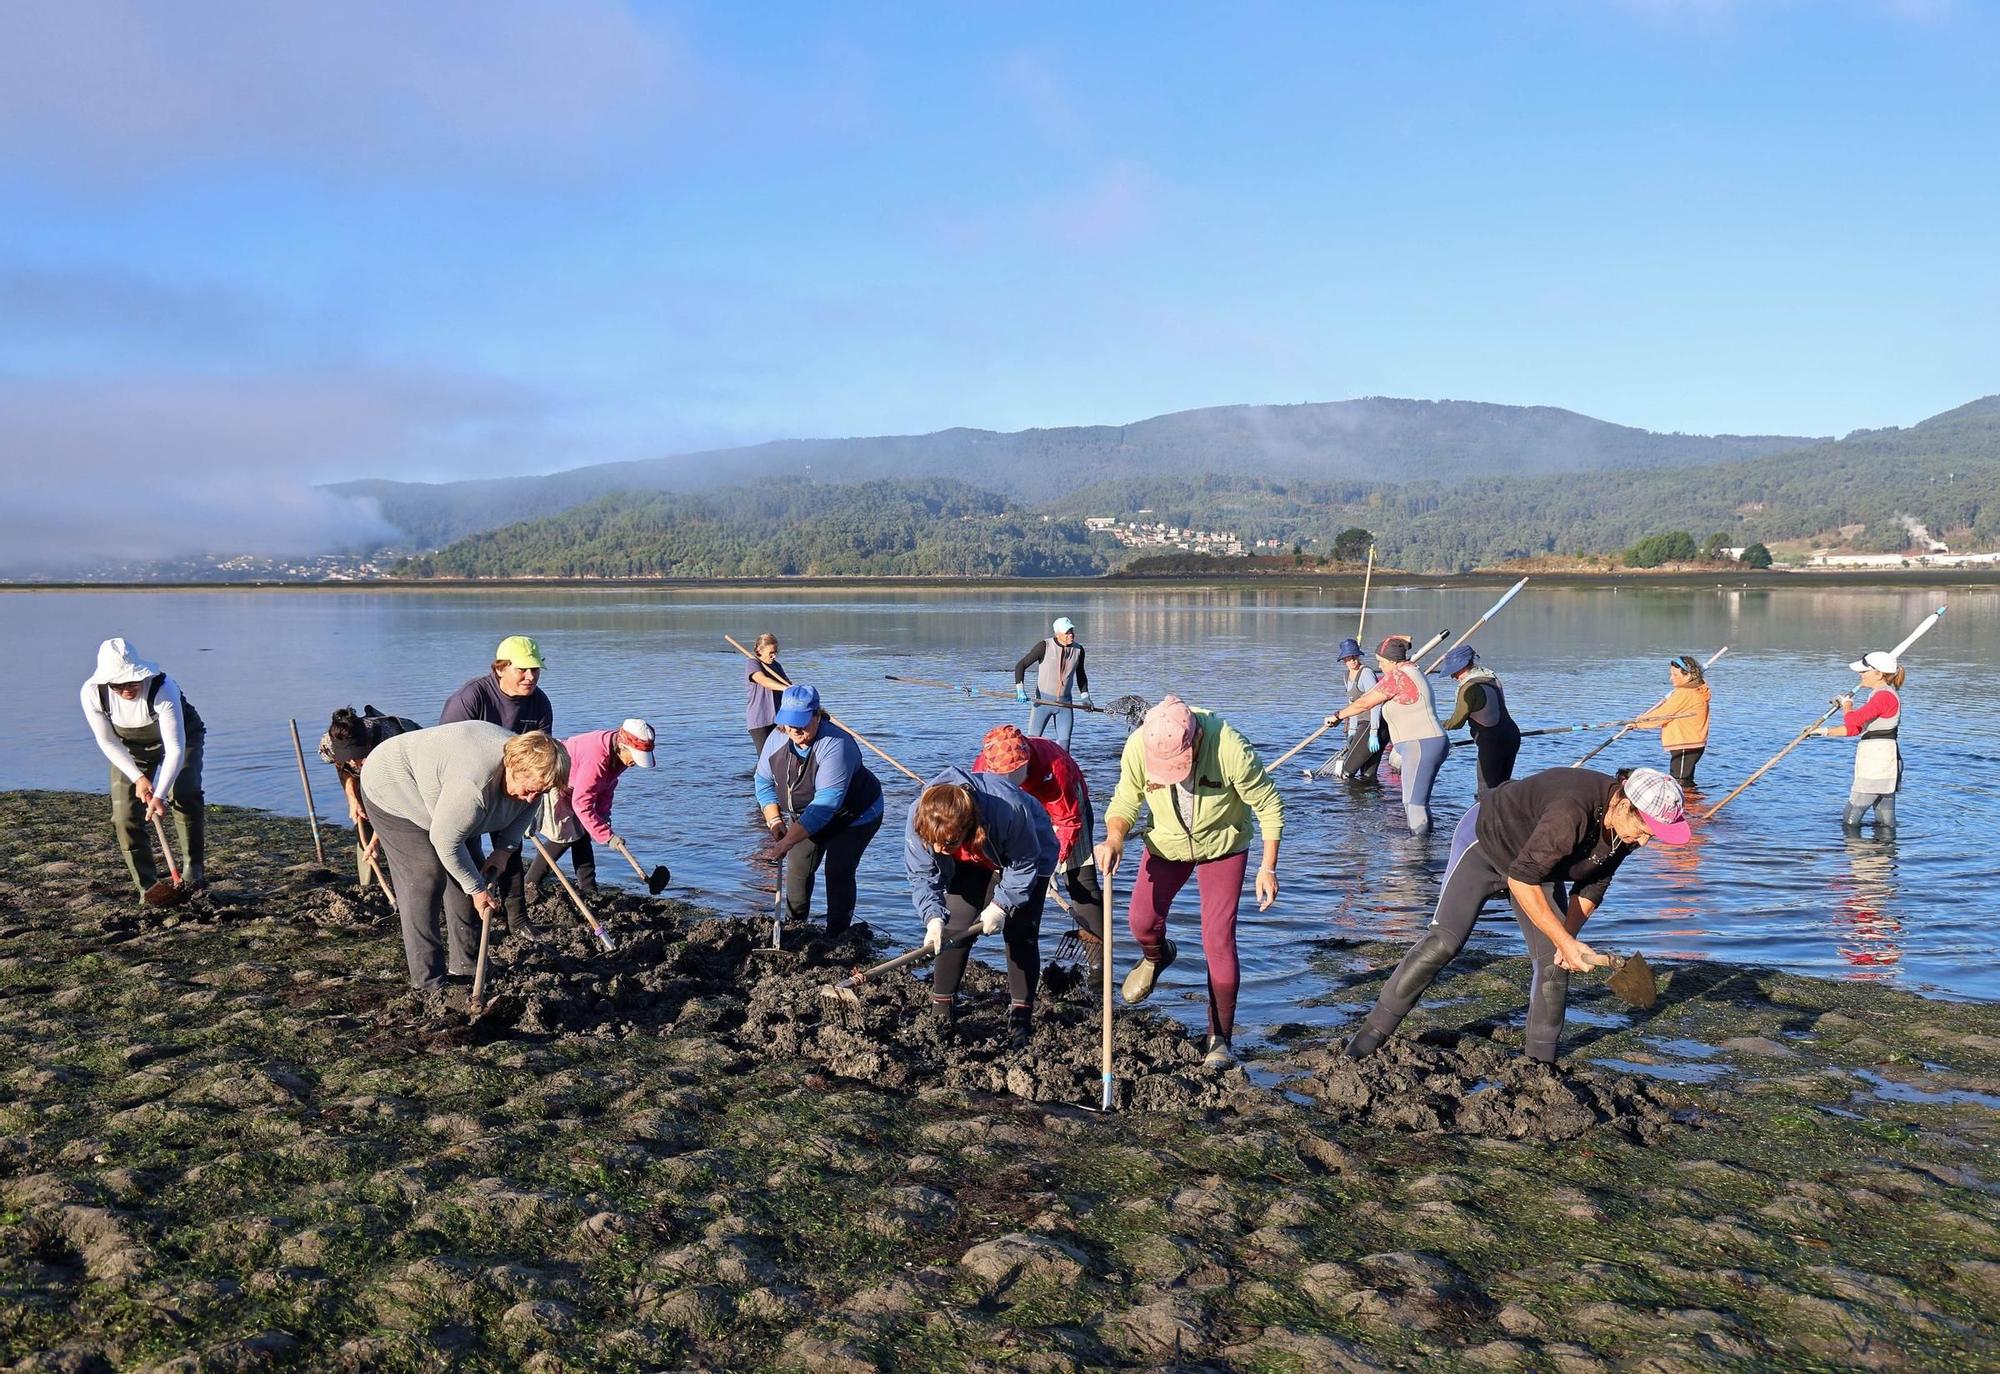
point(1131, 710)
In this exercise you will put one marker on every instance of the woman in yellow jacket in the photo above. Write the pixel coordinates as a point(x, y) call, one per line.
point(1682, 719)
point(1202, 782)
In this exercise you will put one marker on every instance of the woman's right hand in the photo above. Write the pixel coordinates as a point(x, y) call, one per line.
point(1577, 957)
point(486, 903)
point(356, 812)
point(1107, 855)
point(1333, 719)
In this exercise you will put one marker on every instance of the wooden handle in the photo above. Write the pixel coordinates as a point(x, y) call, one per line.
point(858, 736)
point(1110, 915)
point(583, 908)
point(305, 781)
point(1801, 738)
point(166, 851)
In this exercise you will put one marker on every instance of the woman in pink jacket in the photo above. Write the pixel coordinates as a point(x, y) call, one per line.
point(582, 811)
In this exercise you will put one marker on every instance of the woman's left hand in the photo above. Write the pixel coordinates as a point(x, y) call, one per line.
point(1267, 888)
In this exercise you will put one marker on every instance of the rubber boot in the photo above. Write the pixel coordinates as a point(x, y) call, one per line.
point(194, 878)
point(138, 870)
point(1139, 982)
point(1365, 1042)
point(944, 1020)
point(1219, 1055)
point(1019, 1028)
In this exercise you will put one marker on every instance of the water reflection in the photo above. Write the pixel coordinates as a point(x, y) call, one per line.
point(1864, 918)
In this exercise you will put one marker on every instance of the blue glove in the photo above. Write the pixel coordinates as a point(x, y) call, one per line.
point(1084, 698)
point(1020, 694)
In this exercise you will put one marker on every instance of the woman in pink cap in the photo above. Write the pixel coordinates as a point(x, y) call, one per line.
point(1201, 781)
point(1528, 840)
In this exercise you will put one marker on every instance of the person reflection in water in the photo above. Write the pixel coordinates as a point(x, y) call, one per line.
point(1868, 934)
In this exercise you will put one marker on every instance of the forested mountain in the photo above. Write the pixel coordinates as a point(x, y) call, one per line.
point(1375, 439)
point(785, 528)
point(1944, 473)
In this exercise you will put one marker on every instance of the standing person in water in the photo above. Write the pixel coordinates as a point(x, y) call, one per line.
point(152, 737)
point(1404, 694)
point(1058, 662)
point(1682, 719)
point(1365, 734)
point(979, 851)
point(1482, 705)
point(765, 681)
point(812, 769)
point(1202, 783)
point(508, 694)
point(1045, 771)
point(1527, 841)
point(1878, 758)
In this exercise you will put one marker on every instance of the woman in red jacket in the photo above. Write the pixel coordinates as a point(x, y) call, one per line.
point(1045, 771)
point(1878, 759)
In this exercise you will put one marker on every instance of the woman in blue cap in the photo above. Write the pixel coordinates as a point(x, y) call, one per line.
point(1058, 662)
point(812, 769)
point(1366, 735)
point(1482, 706)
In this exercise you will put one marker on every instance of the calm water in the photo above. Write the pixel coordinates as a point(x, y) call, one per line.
point(1772, 881)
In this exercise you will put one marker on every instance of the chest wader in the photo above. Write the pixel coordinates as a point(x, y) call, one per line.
point(184, 805)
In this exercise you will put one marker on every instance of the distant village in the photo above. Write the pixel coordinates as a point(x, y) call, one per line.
point(1140, 533)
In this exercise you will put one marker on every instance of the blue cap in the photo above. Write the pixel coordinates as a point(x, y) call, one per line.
point(1349, 648)
point(1458, 660)
point(798, 706)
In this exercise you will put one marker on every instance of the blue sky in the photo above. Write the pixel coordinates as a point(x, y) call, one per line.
point(256, 243)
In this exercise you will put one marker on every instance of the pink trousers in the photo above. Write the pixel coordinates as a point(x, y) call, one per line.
point(1221, 884)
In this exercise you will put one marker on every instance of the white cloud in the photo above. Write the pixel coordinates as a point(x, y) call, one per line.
point(114, 89)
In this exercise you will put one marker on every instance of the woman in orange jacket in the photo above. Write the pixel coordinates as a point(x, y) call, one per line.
point(1682, 719)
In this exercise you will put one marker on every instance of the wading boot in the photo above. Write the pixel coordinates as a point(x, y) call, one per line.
point(1219, 1055)
point(1365, 1042)
point(1139, 982)
point(944, 1021)
point(1018, 1028)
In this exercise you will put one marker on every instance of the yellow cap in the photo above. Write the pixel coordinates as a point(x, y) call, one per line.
point(520, 651)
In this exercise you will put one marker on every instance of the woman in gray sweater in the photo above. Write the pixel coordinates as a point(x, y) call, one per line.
point(432, 793)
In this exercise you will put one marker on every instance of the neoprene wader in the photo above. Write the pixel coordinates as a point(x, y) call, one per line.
point(184, 805)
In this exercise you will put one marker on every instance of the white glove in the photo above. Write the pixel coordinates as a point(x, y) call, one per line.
point(934, 936)
point(991, 919)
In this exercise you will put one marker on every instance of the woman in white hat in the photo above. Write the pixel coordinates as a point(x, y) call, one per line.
point(153, 739)
point(1878, 759)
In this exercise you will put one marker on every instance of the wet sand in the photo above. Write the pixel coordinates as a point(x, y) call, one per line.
point(230, 1138)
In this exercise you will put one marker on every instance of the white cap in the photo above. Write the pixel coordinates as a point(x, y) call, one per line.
point(637, 736)
point(1064, 625)
point(118, 662)
point(1880, 660)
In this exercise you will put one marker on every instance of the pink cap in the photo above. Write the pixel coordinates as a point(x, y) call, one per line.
point(1168, 735)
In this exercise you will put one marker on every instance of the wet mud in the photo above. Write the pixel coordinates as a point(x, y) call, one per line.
point(232, 1139)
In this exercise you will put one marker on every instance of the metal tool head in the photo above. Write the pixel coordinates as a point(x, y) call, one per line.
point(657, 880)
point(1131, 710)
point(165, 892)
point(1632, 981)
point(1069, 949)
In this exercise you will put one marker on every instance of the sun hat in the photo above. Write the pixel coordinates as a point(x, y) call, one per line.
point(1064, 625)
point(1880, 660)
point(1167, 734)
point(1349, 648)
point(637, 735)
point(520, 651)
point(1395, 648)
point(1660, 803)
point(798, 706)
point(118, 663)
point(1004, 749)
point(1458, 660)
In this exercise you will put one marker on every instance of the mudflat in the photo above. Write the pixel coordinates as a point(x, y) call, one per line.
point(231, 1138)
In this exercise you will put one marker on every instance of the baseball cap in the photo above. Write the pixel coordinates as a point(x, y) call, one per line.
point(1395, 648)
point(637, 735)
point(1004, 749)
point(1879, 660)
point(798, 706)
point(1660, 804)
point(1167, 734)
point(1458, 660)
point(520, 651)
point(1064, 625)
point(1349, 648)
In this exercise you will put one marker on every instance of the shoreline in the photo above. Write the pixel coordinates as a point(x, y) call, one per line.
point(1677, 580)
point(234, 1139)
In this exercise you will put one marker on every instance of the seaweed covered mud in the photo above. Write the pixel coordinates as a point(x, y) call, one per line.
point(231, 1139)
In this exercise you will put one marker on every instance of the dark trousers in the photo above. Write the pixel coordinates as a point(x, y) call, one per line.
point(582, 858)
point(1497, 749)
point(1681, 762)
point(840, 849)
point(1470, 882)
point(1363, 754)
point(971, 887)
point(1085, 896)
point(437, 935)
point(186, 808)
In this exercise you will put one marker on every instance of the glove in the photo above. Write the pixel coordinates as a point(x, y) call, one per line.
point(1020, 694)
point(1084, 698)
point(933, 936)
point(991, 919)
